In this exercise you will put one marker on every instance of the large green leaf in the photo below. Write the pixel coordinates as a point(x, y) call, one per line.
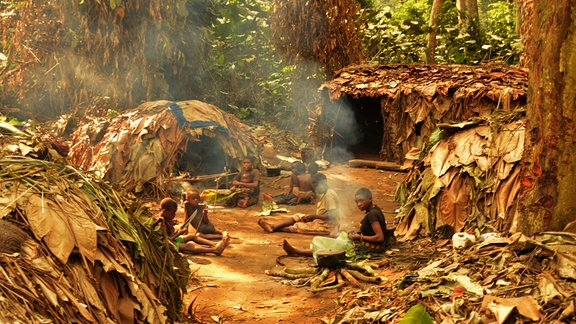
point(417, 314)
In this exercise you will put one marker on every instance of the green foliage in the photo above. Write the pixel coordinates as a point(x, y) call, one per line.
point(394, 35)
point(398, 34)
point(417, 314)
point(218, 51)
point(246, 77)
point(501, 42)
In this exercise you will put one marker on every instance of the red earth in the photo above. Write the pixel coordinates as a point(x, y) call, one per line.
point(233, 287)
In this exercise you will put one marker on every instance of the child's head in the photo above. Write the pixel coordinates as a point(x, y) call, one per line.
point(246, 177)
point(319, 183)
point(248, 163)
point(300, 168)
point(169, 207)
point(313, 168)
point(363, 199)
point(193, 197)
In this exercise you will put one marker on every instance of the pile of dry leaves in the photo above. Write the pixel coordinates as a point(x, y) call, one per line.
point(74, 250)
point(503, 279)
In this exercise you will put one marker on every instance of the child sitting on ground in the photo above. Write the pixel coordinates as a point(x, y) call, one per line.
point(300, 190)
point(247, 183)
point(183, 242)
point(204, 228)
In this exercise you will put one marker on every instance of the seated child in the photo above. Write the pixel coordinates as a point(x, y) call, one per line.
point(247, 185)
point(303, 189)
point(204, 228)
point(300, 189)
point(184, 243)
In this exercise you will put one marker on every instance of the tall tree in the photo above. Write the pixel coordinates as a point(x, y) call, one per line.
point(549, 167)
point(434, 16)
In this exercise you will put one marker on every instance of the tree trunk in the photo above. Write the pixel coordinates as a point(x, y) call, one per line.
point(472, 7)
point(548, 199)
point(462, 7)
point(434, 14)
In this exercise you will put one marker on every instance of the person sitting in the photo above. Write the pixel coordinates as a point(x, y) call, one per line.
point(312, 168)
point(182, 241)
point(204, 228)
point(300, 189)
point(324, 222)
point(369, 239)
point(247, 185)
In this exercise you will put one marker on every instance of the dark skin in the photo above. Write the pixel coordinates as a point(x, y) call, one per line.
point(193, 198)
point(364, 204)
point(211, 247)
point(282, 226)
point(247, 165)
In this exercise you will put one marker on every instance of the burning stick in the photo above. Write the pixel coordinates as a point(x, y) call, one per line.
point(317, 280)
point(349, 277)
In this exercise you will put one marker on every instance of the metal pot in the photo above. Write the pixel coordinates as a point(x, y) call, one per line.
point(331, 258)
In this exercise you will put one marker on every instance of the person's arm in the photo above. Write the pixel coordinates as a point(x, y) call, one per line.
point(376, 238)
point(293, 180)
point(252, 184)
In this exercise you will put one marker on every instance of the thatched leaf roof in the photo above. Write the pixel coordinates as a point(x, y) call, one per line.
point(388, 81)
point(143, 145)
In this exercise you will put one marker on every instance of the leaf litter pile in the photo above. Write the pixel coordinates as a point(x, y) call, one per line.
point(74, 250)
point(498, 279)
point(465, 181)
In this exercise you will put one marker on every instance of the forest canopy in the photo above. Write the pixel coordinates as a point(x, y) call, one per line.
point(92, 57)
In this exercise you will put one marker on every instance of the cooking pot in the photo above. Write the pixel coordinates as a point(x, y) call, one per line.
point(331, 258)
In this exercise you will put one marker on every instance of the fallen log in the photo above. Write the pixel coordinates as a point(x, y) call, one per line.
point(384, 165)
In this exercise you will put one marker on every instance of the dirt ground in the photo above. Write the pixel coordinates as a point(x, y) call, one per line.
point(233, 287)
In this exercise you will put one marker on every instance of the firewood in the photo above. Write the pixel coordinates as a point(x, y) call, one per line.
point(338, 285)
point(315, 281)
point(330, 279)
point(307, 270)
point(349, 277)
point(363, 267)
point(283, 274)
point(363, 277)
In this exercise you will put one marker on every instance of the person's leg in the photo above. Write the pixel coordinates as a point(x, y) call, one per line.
point(251, 200)
point(209, 236)
point(195, 249)
point(217, 235)
point(243, 202)
point(275, 227)
point(289, 249)
point(209, 232)
point(199, 240)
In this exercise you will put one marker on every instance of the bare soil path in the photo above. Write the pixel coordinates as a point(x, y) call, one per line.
point(233, 288)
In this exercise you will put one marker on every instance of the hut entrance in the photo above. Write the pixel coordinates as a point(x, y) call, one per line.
point(359, 134)
point(204, 156)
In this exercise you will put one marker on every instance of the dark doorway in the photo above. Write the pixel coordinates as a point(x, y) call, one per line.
point(202, 157)
point(359, 130)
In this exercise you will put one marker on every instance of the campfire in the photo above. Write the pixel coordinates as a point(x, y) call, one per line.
point(332, 271)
